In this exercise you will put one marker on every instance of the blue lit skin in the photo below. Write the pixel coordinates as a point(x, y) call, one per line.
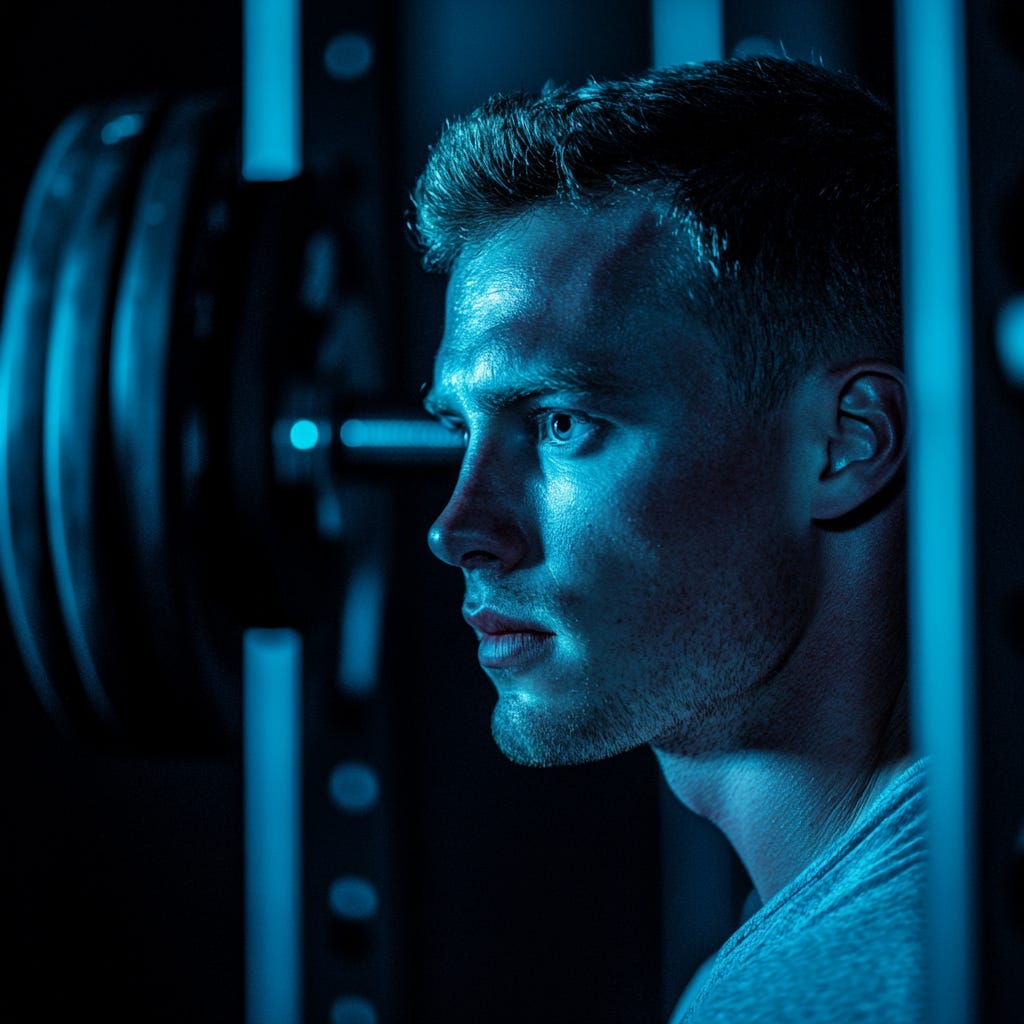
point(646, 561)
point(614, 496)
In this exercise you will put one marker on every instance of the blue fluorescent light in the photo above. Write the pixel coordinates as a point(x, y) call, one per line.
point(304, 435)
point(349, 56)
point(271, 130)
point(355, 787)
point(272, 724)
point(361, 624)
point(353, 1010)
point(398, 434)
point(354, 899)
point(1010, 340)
point(933, 145)
point(686, 30)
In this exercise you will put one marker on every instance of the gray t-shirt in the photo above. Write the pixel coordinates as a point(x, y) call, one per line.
point(843, 941)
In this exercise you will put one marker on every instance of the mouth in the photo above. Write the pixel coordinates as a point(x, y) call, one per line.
point(506, 641)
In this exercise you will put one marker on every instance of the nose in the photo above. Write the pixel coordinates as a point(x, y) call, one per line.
point(482, 527)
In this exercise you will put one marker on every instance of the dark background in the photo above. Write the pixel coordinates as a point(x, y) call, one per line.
point(528, 895)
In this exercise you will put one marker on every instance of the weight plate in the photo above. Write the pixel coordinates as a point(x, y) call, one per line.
point(153, 386)
point(75, 471)
point(52, 204)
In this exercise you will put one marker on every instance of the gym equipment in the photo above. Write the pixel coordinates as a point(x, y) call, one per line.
point(336, 547)
point(182, 451)
point(24, 554)
point(195, 451)
point(961, 74)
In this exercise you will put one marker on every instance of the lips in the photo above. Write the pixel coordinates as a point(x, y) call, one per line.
point(506, 641)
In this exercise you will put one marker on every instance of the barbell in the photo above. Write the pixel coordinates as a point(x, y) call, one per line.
point(191, 430)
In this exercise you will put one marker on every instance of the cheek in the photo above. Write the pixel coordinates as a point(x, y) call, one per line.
point(661, 533)
point(590, 518)
point(609, 531)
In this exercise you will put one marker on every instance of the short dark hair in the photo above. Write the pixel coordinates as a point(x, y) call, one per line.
point(782, 176)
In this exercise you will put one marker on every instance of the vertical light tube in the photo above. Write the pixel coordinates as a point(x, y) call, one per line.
point(272, 720)
point(685, 31)
point(272, 100)
point(938, 336)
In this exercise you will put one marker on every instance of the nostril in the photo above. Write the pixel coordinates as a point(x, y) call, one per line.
point(478, 560)
point(476, 545)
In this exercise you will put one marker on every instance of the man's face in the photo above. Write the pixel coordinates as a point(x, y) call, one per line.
point(633, 561)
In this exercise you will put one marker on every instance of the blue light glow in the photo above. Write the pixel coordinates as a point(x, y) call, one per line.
point(354, 899)
point(353, 1010)
point(304, 435)
point(686, 30)
point(1010, 340)
point(272, 706)
point(349, 56)
point(397, 434)
point(361, 625)
point(123, 127)
point(354, 787)
point(271, 131)
point(933, 145)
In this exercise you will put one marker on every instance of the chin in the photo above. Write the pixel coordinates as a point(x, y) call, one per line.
point(545, 738)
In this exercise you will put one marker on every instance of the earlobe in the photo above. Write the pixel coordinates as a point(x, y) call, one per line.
point(867, 441)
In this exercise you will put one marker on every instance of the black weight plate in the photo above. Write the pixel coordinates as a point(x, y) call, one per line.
point(151, 387)
point(78, 505)
point(25, 567)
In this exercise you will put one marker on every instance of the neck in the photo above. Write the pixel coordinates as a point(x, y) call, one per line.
point(795, 765)
point(777, 809)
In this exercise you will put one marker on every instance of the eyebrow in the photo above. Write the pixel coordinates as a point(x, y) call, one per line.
point(579, 378)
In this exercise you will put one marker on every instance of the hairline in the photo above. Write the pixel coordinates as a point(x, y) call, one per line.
point(698, 263)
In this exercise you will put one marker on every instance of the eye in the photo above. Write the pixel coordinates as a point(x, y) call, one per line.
point(561, 426)
point(558, 427)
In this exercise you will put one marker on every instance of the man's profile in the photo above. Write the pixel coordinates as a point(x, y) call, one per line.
point(673, 345)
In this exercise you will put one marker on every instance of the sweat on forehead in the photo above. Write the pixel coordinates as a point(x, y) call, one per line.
point(619, 252)
point(565, 288)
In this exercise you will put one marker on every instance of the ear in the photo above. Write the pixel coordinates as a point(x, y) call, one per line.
point(867, 438)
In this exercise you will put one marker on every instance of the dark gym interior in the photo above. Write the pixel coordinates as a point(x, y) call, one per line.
point(505, 893)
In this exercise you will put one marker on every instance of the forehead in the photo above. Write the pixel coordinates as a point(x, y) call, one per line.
point(571, 288)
